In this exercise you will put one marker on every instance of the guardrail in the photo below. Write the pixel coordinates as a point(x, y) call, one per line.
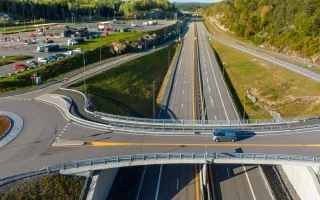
point(168, 158)
point(207, 131)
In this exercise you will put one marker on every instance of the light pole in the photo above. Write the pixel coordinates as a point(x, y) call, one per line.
point(84, 74)
point(24, 22)
point(244, 103)
point(34, 19)
point(100, 52)
point(153, 99)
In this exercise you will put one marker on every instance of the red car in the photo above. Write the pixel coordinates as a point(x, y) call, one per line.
point(31, 35)
point(20, 66)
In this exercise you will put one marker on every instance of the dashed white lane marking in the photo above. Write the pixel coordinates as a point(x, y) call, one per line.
point(209, 89)
point(184, 82)
point(23, 99)
point(182, 91)
point(211, 101)
point(182, 105)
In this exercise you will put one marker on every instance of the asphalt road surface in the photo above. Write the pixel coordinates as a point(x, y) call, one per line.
point(219, 106)
point(175, 181)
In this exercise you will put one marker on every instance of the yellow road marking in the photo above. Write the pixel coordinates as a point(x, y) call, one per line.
point(212, 182)
point(97, 144)
point(197, 181)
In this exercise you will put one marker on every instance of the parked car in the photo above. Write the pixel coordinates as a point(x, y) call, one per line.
point(77, 50)
point(20, 66)
point(224, 135)
point(31, 35)
point(60, 56)
point(49, 41)
point(52, 58)
point(32, 63)
point(134, 25)
point(68, 53)
point(41, 33)
point(43, 60)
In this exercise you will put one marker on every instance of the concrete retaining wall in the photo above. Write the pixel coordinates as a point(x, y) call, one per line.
point(304, 181)
point(101, 184)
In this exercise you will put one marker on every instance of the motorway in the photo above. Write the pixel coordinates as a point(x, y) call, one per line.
point(232, 182)
point(175, 181)
point(32, 148)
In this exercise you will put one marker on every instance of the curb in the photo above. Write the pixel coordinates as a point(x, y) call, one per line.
point(16, 126)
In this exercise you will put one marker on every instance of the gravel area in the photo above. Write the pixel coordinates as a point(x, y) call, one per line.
point(4, 125)
point(279, 182)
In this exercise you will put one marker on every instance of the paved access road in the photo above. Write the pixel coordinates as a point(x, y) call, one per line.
point(237, 182)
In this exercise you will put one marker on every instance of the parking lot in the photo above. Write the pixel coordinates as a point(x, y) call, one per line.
point(13, 48)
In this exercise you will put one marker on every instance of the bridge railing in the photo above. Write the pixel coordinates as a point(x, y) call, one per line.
point(196, 157)
point(135, 120)
point(207, 130)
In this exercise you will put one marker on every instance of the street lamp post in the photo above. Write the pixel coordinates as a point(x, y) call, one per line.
point(34, 19)
point(153, 99)
point(24, 22)
point(244, 103)
point(84, 74)
point(100, 53)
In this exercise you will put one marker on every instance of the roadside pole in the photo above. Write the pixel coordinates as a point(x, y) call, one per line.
point(84, 75)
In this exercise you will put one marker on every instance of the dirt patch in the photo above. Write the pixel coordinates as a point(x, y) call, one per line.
point(4, 125)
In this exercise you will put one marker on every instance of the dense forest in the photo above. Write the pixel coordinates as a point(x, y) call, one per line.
point(61, 9)
point(290, 26)
point(190, 7)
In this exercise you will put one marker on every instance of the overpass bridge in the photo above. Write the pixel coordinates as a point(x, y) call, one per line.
point(167, 158)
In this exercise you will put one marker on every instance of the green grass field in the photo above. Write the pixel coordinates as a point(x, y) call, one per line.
point(97, 42)
point(288, 93)
point(127, 90)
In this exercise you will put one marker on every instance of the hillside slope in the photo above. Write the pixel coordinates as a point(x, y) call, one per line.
point(287, 26)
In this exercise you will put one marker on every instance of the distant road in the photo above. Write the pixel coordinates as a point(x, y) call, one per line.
point(295, 68)
point(281, 55)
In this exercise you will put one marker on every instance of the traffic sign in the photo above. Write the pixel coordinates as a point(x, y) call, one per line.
point(89, 101)
point(140, 46)
point(66, 80)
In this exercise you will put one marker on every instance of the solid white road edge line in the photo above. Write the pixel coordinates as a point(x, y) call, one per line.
point(159, 180)
point(265, 180)
point(141, 182)
point(245, 171)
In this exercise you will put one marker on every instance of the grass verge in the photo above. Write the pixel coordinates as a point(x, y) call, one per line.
point(228, 37)
point(52, 186)
point(281, 90)
point(127, 90)
point(15, 58)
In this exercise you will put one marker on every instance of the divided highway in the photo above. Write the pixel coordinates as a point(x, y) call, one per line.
point(235, 181)
point(175, 181)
